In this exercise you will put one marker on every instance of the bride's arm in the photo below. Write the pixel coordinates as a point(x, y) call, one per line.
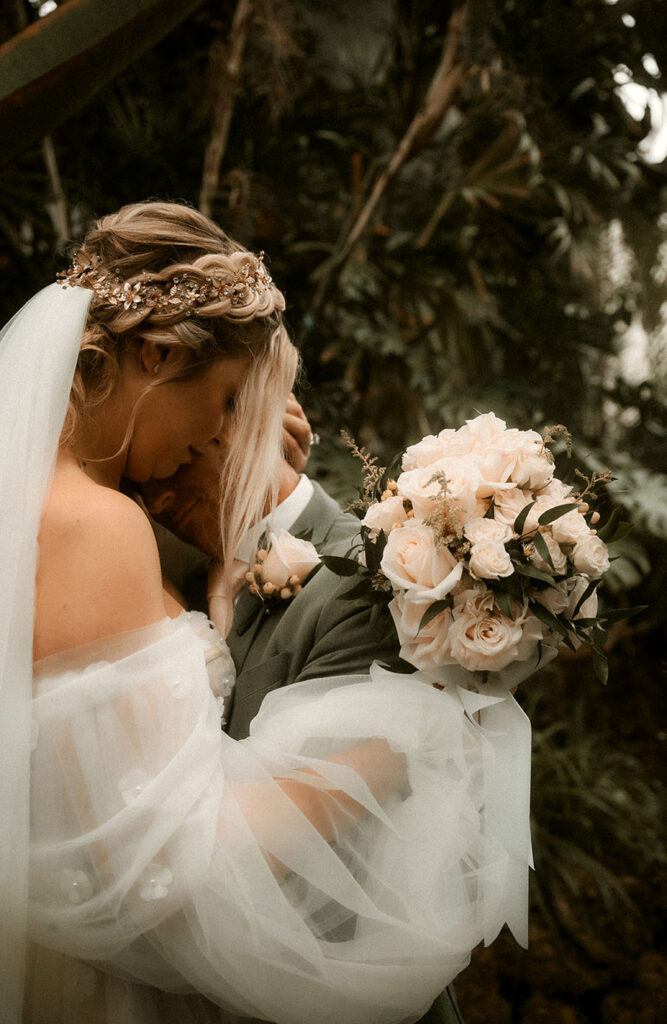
point(104, 578)
point(276, 874)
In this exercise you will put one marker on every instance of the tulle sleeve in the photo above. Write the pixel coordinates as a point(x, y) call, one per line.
point(155, 838)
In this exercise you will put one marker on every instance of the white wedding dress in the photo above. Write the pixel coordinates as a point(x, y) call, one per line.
point(152, 833)
point(154, 871)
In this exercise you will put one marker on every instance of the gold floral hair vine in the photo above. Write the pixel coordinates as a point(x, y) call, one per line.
point(182, 292)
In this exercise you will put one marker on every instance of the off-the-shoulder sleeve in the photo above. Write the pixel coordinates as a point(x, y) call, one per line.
point(155, 839)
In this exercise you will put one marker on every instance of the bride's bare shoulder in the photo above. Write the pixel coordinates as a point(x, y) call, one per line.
point(99, 568)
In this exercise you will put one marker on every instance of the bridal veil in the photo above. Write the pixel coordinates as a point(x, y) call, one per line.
point(38, 353)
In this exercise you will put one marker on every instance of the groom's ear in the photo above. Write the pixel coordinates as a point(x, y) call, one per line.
point(158, 359)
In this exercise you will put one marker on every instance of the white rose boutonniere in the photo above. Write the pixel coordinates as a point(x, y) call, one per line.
point(282, 566)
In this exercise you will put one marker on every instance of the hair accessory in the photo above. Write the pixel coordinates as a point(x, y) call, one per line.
point(183, 292)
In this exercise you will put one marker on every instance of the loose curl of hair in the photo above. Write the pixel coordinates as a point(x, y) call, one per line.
point(167, 240)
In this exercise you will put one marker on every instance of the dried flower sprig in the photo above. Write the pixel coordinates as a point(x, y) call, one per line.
point(372, 474)
point(552, 434)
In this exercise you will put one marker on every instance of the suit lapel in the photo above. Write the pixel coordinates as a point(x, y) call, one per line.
point(319, 516)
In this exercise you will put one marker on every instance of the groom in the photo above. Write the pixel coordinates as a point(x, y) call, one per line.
point(317, 633)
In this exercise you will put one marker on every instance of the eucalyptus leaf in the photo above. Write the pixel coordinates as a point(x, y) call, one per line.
point(504, 601)
point(520, 520)
point(552, 514)
point(361, 590)
point(542, 549)
point(588, 592)
point(607, 531)
point(432, 612)
point(342, 566)
point(535, 574)
point(621, 532)
point(618, 614)
point(549, 619)
point(600, 665)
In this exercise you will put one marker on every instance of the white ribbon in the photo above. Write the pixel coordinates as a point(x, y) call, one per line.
point(506, 813)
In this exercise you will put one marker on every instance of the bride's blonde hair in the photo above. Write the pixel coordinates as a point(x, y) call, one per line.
point(159, 272)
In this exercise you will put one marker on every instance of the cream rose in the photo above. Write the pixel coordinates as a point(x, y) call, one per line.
point(560, 493)
point(478, 528)
point(508, 504)
point(427, 648)
point(542, 504)
point(421, 489)
point(486, 430)
point(555, 600)
point(412, 562)
point(490, 560)
point(288, 557)
point(570, 528)
point(532, 471)
point(481, 638)
point(427, 451)
point(589, 608)
point(558, 557)
point(591, 556)
point(385, 514)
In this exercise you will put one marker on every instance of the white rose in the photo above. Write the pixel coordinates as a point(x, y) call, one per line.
point(555, 600)
point(558, 557)
point(590, 556)
point(570, 528)
point(532, 471)
point(556, 489)
point(508, 504)
point(589, 608)
point(384, 514)
point(485, 430)
point(425, 649)
point(481, 638)
point(489, 560)
point(463, 483)
point(412, 562)
point(478, 528)
point(542, 504)
point(288, 557)
point(420, 488)
point(426, 452)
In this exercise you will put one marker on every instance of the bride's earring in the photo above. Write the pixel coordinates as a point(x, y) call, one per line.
point(156, 369)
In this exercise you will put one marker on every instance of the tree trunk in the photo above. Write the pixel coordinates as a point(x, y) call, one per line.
point(226, 68)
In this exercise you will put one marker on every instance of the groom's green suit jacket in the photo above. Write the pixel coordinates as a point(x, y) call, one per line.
point(318, 633)
point(315, 634)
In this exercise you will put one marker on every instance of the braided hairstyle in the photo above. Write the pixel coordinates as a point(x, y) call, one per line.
point(167, 244)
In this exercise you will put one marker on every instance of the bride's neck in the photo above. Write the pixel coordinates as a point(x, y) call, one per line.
point(101, 449)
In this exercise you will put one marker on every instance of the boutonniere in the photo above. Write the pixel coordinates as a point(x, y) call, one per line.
point(282, 565)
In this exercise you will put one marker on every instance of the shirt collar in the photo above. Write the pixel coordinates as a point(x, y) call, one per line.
point(283, 517)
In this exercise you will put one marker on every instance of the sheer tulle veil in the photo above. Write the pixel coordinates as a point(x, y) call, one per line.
point(38, 353)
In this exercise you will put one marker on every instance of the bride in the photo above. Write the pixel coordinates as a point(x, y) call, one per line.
point(335, 866)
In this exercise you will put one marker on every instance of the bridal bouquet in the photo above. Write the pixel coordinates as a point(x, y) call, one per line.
point(485, 558)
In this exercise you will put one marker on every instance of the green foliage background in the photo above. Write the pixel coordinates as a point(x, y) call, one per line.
point(500, 270)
